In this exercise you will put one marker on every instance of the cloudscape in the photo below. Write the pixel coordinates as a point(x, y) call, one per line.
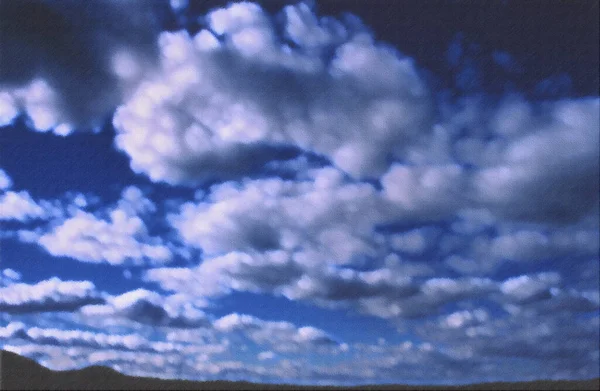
point(320, 192)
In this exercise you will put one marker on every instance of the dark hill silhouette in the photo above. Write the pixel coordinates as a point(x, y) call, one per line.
point(21, 373)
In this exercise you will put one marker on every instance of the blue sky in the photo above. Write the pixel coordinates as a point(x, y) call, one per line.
point(329, 192)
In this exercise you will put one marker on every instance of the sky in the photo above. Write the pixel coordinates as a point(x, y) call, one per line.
point(322, 192)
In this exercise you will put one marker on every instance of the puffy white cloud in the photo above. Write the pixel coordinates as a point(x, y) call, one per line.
point(464, 318)
point(324, 220)
point(281, 336)
point(121, 238)
point(20, 206)
point(215, 99)
point(49, 295)
point(523, 289)
point(89, 239)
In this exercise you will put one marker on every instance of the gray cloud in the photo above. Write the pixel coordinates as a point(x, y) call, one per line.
point(147, 307)
point(53, 48)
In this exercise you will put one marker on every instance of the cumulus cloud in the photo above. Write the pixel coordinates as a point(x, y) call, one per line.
point(281, 336)
point(325, 219)
point(49, 295)
point(147, 307)
point(21, 207)
point(121, 238)
point(483, 253)
point(524, 289)
point(426, 191)
point(548, 171)
point(11, 274)
point(5, 181)
point(279, 273)
point(224, 93)
point(51, 49)
point(386, 292)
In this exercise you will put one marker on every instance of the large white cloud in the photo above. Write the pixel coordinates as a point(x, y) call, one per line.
point(215, 98)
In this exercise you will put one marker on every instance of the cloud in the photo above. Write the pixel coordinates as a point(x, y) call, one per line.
point(231, 89)
point(21, 207)
point(426, 191)
point(11, 274)
point(525, 289)
point(325, 219)
point(51, 49)
point(84, 338)
point(280, 336)
point(13, 330)
point(266, 355)
point(121, 238)
point(388, 292)
point(433, 294)
point(482, 253)
point(147, 307)
point(49, 295)
point(547, 173)
point(5, 181)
